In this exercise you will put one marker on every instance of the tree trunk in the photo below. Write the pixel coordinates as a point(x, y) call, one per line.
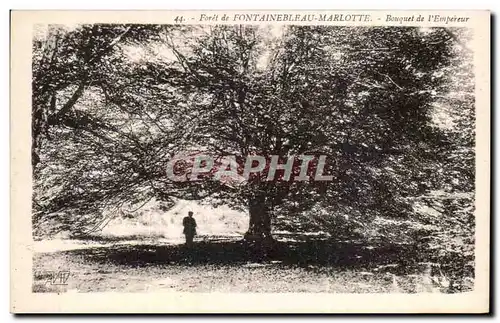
point(259, 229)
point(258, 237)
point(260, 221)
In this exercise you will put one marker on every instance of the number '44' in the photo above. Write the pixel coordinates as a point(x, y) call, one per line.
point(179, 19)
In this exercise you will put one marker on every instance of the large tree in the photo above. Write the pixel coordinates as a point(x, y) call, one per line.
point(361, 96)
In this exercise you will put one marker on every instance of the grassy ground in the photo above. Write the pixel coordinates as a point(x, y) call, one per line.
point(145, 252)
point(229, 265)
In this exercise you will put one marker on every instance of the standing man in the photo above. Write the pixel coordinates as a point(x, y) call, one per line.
point(189, 224)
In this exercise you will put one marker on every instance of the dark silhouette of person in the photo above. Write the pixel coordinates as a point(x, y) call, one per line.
point(189, 224)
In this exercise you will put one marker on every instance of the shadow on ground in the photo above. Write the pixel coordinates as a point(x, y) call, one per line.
point(234, 252)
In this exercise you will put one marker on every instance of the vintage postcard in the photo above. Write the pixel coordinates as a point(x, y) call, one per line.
point(250, 161)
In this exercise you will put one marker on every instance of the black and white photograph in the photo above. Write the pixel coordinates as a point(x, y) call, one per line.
point(258, 155)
